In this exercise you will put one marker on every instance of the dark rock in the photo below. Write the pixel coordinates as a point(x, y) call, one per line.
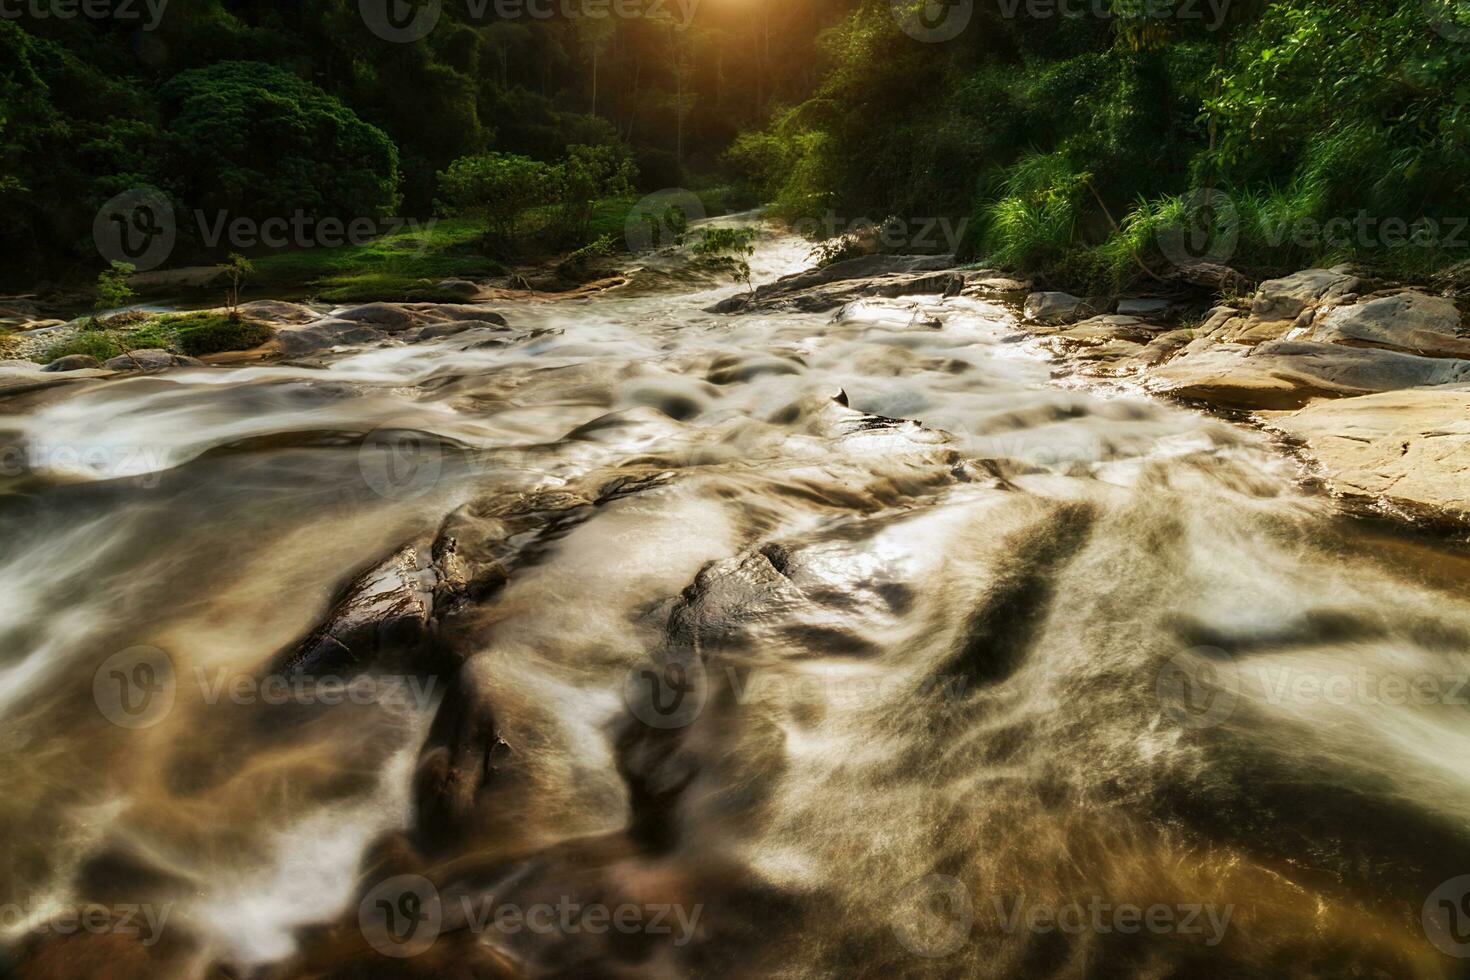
point(73, 362)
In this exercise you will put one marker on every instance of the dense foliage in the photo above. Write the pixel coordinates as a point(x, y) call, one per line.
point(263, 108)
point(1276, 134)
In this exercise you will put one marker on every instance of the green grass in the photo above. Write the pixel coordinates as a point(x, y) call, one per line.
point(194, 334)
point(405, 265)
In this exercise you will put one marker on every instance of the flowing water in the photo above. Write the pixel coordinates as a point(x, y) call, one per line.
point(770, 646)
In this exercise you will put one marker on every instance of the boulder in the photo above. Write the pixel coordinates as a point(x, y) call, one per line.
point(1410, 321)
point(324, 335)
point(459, 287)
point(389, 317)
point(1145, 309)
point(1286, 299)
point(151, 359)
point(1410, 448)
point(1290, 374)
point(73, 362)
point(278, 311)
point(1055, 308)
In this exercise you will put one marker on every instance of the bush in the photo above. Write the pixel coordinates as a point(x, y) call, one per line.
point(257, 141)
point(197, 334)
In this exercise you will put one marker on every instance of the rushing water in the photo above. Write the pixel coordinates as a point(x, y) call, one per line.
point(733, 679)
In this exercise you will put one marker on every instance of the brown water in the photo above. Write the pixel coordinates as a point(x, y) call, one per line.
point(983, 673)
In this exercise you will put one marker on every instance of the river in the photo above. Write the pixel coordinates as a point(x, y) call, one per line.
point(781, 645)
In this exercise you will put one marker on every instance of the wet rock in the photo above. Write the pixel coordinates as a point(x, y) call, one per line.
point(151, 360)
point(1055, 308)
point(1219, 279)
point(278, 311)
point(324, 335)
point(389, 317)
point(820, 290)
point(1409, 448)
point(385, 614)
point(73, 362)
point(1410, 321)
point(454, 311)
point(1289, 374)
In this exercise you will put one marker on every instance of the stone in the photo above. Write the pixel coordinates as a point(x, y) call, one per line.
point(1410, 448)
point(1410, 321)
point(1054, 308)
point(1145, 309)
point(459, 287)
point(324, 335)
point(390, 317)
point(72, 362)
point(1287, 298)
point(278, 311)
point(1289, 374)
point(151, 359)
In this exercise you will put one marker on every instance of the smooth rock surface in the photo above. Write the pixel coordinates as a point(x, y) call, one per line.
point(1054, 308)
point(1410, 321)
point(1410, 448)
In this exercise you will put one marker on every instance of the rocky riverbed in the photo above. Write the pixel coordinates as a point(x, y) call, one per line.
point(888, 621)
